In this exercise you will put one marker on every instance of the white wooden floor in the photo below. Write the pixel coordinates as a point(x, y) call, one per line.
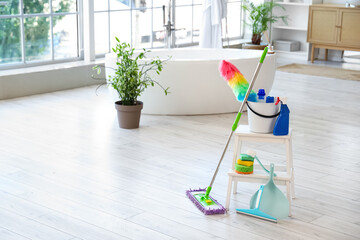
point(68, 172)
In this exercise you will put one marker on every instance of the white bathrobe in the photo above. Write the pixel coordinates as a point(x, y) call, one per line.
point(210, 32)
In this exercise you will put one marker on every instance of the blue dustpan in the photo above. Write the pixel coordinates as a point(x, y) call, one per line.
point(273, 201)
point(255, 211)
point(268, 202)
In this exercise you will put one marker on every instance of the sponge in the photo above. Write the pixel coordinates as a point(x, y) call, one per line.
point(245, 163)
point(244, 169)
point(246, 157)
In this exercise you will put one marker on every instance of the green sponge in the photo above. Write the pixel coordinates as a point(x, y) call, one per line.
point(244, 169)
point(246, 157)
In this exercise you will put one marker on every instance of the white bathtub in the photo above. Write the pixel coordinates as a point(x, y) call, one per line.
point(196, 86)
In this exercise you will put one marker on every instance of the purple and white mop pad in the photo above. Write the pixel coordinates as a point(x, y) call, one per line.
point(207, 205)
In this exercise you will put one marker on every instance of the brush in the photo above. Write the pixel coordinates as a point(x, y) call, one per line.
point(236, 81)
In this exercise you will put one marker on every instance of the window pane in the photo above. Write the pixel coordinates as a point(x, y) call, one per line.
point(183, 2)
point(37, 38)
point(160, 3)
point(141, 28)
point(158, 31)
point(198, 10)
point(120, 4)
point(36, 6)
point(64, 6)
point(233, 20)
point(100, 5)
point(120, 27)
point(10, 48)
point(9, 7)
point(101, 33)
point(183, 25)
point(65, 36)
point(141, 3)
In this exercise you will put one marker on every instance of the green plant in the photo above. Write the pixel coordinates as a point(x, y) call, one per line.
point(36, 29)
point(131, 78)
point(260, 16)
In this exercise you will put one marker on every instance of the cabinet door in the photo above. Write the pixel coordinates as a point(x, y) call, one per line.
point(349, 28)
point(322, 25)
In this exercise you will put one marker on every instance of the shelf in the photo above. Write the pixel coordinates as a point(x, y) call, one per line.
point(300, 53)
point(261, 176)
point(294, 4)
point(291, 28)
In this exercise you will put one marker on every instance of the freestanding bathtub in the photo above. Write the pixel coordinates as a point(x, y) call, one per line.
point(196, 86)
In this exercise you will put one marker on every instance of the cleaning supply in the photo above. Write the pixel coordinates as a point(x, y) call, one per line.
point(236, 81)
point(262, 116)
point(247, 160)
point(256, 212)
point(281, 126)
point(206, 204)
point(270, 99)
point(245, 164)
point(268, 202)
point(260, 163)
point(261, 95)
point(241, 169)
point(201, 197)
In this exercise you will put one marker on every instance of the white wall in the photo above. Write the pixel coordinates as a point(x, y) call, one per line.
point(30, 82)
point(355, 2)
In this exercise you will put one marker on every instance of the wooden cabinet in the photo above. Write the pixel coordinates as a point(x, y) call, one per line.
point(333, 27)
point(349, 28)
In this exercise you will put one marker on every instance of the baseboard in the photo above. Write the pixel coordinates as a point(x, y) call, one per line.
point(37, 82)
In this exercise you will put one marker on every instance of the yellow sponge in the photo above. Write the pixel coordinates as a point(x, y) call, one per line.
point(245, 163)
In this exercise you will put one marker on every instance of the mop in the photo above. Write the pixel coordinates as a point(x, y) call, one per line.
point(200, 197)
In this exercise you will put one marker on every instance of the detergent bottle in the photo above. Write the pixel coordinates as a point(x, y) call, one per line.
point(282, 122)
point(261, 95)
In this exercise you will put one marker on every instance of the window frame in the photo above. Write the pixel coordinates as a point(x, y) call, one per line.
point(22, 16)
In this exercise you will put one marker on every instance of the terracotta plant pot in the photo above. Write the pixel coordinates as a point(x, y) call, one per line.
point(256, 39)
point(128, 115)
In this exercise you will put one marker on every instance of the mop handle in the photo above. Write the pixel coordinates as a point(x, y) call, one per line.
point(237, 118)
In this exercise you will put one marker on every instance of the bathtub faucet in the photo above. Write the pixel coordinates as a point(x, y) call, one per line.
point(170, 25)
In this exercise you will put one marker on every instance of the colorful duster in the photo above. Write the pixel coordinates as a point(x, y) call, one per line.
point(236, 81)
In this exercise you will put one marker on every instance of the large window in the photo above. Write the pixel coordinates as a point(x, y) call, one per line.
point(33, 31)
point(141, 23)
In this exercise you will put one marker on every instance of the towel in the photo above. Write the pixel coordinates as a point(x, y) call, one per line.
point(210, 32)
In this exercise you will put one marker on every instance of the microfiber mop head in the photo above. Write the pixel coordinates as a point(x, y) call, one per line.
point(236, 81)
point(208, 205)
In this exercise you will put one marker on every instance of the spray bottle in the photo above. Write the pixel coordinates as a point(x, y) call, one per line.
point(282, 122)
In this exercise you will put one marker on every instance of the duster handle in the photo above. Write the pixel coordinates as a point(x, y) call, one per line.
point(234, 126)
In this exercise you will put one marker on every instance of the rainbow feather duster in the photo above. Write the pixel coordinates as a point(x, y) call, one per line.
point(236, 81)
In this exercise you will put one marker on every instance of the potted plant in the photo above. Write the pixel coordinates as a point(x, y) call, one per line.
point(131, 78)
point(259, 18)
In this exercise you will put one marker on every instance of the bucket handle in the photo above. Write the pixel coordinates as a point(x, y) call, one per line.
point(260, 115)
